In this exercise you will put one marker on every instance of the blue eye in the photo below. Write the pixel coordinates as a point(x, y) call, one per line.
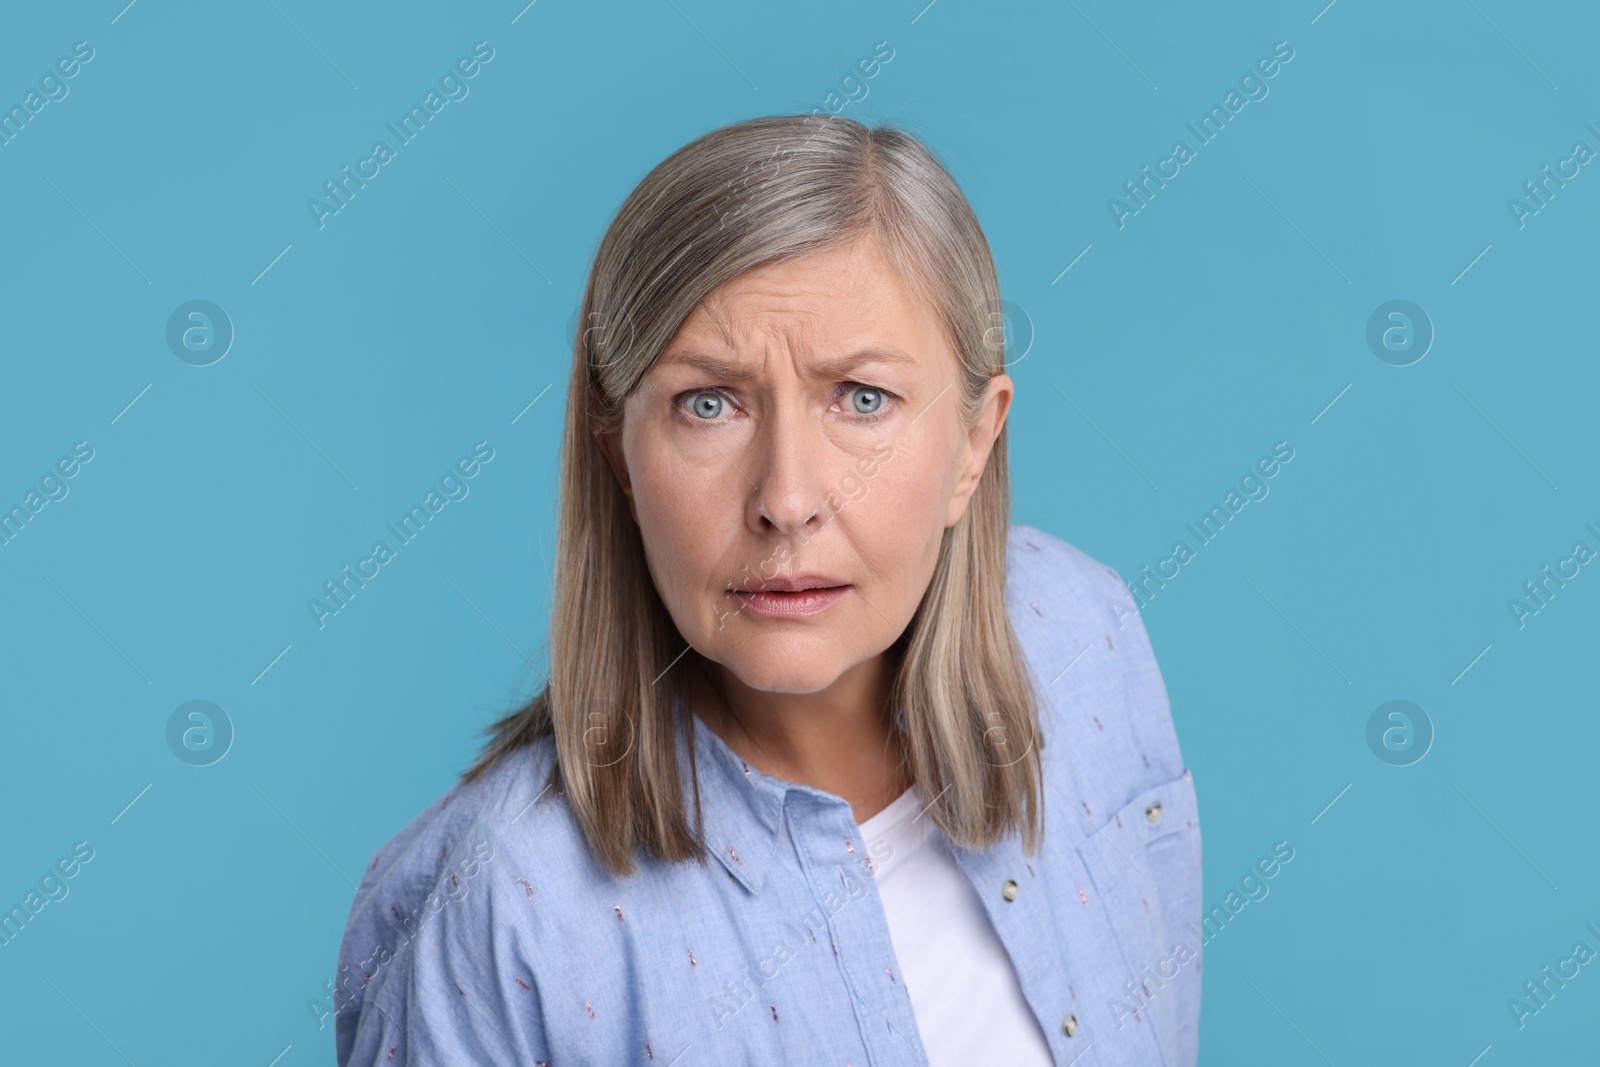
point(707, 405)
point(874, 399)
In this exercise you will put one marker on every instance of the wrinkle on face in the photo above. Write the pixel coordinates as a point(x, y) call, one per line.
point(788, 478)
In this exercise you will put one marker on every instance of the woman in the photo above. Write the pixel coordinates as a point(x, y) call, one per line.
point(811, 696)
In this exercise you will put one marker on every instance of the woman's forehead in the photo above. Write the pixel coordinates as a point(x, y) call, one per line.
point(830, 327)
point(825, 364)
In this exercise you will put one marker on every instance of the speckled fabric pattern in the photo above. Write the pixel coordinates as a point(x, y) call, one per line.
point(484, 933)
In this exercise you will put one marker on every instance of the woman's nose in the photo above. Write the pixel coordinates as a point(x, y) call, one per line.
point(789, 475)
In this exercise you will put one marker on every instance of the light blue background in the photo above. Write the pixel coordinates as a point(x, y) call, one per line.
point(1225, 316)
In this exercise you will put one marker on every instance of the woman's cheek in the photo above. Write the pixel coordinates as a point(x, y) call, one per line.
point(904, 488)
point(672, 491)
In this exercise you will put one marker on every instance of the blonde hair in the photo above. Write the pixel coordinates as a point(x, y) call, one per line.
point(736, 198)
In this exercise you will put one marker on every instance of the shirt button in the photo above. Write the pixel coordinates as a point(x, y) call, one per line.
point(1153, 812)
point(1009, 890)
point(1069, 1025)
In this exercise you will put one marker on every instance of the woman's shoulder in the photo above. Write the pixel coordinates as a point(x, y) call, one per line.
point(1060, 598)
point(416, 857)
point(1041, 563)
point(445, 883)
point(1106, 717)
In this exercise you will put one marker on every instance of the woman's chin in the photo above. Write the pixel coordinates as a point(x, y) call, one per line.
point(784, 671)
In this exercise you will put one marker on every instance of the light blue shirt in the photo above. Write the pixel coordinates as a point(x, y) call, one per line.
point(484, 933)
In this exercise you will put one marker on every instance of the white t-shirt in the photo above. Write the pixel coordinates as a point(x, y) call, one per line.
point(964, 991)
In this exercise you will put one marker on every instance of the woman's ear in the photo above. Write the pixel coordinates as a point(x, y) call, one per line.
point(979, 442)
point(611, 448)
point(610, 444)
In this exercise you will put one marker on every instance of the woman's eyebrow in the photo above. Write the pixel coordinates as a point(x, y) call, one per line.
point(830, 368)
point(835, 368)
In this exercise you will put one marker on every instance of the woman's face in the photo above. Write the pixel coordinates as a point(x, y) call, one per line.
point(802, 426)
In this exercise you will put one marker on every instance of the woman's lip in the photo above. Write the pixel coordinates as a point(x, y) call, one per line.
point(789, 583)
point(802, 604)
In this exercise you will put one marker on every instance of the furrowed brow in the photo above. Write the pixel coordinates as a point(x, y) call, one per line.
point(709, 365)
point(835, 367)
point(840, 366)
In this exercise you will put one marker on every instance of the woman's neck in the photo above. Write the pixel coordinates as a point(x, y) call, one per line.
point(841, 739)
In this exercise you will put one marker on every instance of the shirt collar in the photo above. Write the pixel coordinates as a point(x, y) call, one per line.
point(741, 806)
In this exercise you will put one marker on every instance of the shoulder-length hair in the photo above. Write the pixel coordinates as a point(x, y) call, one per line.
point(736, 198)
